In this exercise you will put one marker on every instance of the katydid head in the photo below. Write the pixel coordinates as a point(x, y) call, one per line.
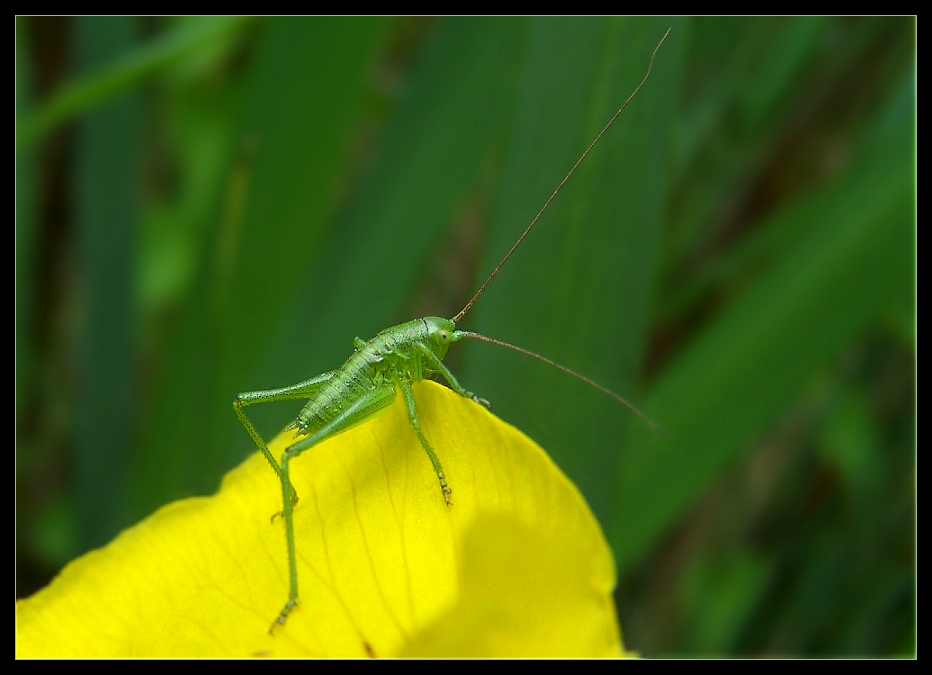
point(440, 334)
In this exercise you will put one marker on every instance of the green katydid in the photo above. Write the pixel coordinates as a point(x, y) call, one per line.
point(369, 380)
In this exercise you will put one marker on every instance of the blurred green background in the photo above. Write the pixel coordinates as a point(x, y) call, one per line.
point(214, 205)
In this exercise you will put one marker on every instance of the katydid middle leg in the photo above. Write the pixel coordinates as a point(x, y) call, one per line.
point(408, 395)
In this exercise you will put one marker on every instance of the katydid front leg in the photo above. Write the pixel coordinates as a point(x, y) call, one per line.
point(438, 365)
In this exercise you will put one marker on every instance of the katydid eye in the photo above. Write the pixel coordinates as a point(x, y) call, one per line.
point(444, 335)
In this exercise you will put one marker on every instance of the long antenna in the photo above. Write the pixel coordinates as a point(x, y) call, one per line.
point(462, 312)
point(568, 371)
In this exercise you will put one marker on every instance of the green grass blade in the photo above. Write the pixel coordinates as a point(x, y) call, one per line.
point(134, 66)
point(302, 102)
point(850, 264)
point(109, 141)
point(578, 290)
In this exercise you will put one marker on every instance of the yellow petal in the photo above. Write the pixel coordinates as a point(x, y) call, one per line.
point(517, 566)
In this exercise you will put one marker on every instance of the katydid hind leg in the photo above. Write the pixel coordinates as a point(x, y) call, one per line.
point(301, 390)
point(361, 408)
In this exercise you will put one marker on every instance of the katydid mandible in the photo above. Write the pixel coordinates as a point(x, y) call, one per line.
point(378, 369)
